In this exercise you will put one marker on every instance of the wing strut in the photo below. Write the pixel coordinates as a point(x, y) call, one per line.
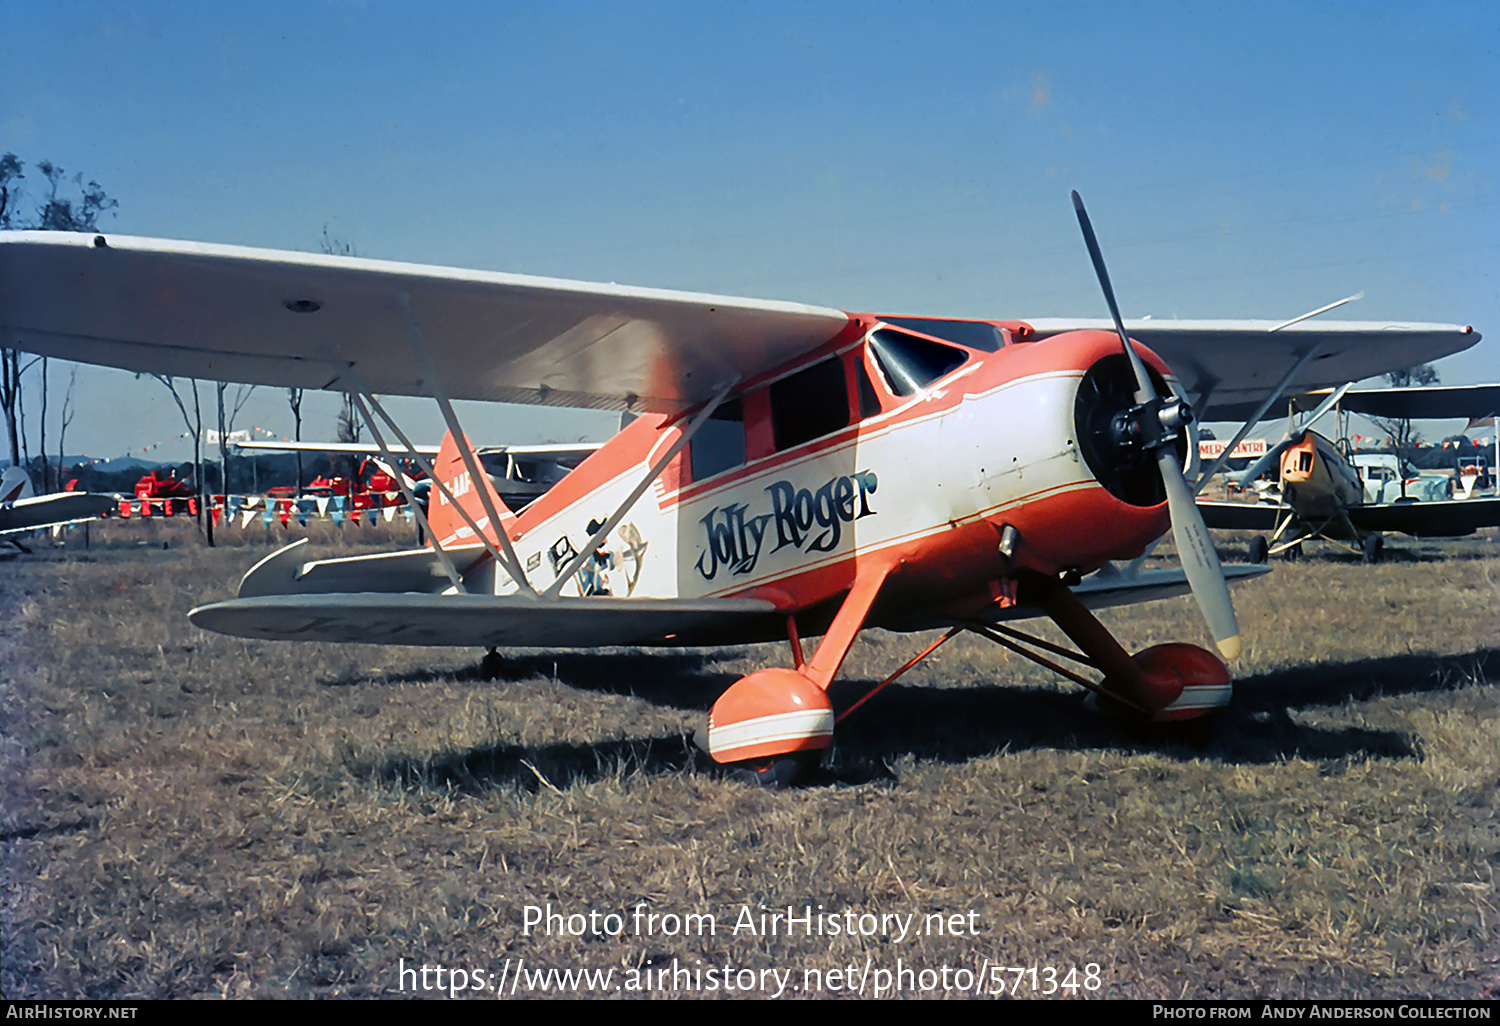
point(512, 563)
point(411, 500)
point(1291, 438)
point(1286, 379)
point(438, 483)
point(635, 493)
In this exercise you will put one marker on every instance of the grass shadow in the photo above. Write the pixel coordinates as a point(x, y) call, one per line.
point(952, 725)
point(543, 767)
point(955, 725)
point(673, 678)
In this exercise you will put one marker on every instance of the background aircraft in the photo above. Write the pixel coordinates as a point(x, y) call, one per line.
point(22, 510)
point(810, 471)
point(520, 473)
point(1324, 496)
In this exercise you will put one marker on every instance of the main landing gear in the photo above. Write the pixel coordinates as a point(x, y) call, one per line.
point(774, 726)
point(769, 726)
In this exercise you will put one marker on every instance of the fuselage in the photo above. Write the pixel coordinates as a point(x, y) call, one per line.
point(885, 443)
point(1317, 480)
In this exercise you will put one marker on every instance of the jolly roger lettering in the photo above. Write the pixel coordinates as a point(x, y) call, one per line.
point(806, 519)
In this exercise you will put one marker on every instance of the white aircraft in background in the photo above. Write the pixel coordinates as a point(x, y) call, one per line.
point(22, 510)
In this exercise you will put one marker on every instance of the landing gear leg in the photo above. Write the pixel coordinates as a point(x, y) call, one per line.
point(490, 666)
point(1165, 682)
point(774, 725)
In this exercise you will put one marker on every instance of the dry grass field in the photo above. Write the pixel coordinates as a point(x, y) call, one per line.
point(189, 815)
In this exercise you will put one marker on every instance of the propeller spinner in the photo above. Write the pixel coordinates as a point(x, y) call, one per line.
point(1155, 424)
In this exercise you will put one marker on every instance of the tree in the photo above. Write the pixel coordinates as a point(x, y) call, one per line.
point(294, 400)
point(1403, 436)
point(70, 205)
point(194, 422)
point(62, 433)
point(226, 425)
point(10, 399)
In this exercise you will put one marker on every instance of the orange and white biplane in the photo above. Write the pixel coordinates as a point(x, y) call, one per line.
point(1324, 497)
point(794, 470)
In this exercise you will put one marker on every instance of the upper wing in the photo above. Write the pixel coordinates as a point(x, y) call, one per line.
point(1430, 403)
point(52, 510)
point(1237, 363)
point(354, 448)
point(557, 451)
point(229, 313)
point(1429, 519)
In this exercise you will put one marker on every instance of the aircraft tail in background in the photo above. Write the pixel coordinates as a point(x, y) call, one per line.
point(15, 484)
point(447, 524)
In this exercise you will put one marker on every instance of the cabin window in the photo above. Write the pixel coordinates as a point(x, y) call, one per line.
point(809, 404)
point(719, 444)
point(910, 363)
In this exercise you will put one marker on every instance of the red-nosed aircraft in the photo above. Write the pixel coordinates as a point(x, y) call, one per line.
point(794, 470)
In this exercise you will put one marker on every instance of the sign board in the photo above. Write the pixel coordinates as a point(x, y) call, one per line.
point(1249, 449)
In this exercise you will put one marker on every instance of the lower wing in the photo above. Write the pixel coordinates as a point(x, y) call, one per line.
point(52, 510)
point(1240, 516)
point(1429, 519)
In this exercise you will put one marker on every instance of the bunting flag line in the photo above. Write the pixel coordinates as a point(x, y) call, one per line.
point(230, 510)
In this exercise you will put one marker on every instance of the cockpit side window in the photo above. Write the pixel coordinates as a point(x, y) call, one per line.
point(810, 403)
point(910, 363)
point(719, 444)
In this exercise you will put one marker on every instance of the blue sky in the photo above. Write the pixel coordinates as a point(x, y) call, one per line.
point(1239, 160)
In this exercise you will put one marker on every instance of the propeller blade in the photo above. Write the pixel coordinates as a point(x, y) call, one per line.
point(1199, 560)
point(1144, 390)
point(1194, 547)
